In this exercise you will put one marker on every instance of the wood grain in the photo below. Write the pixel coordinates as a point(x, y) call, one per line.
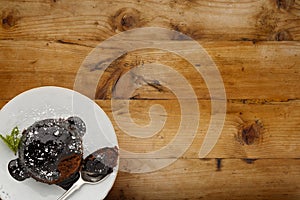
point(249, 71)
point(279, 137)
point(201, 179)
point(254, 44)
point(202, 20)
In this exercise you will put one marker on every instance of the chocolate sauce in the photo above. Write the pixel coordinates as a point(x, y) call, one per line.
point(67, 183)
point(17, 170)
point(50, 145)
point(100, 163)
point(43, 147)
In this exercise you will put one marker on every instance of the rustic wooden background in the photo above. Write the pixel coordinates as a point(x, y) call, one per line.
point(255, 45)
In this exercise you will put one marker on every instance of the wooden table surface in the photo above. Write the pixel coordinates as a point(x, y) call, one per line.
point(254, 44)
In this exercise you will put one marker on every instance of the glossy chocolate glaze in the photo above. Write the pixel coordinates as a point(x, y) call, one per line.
point(43, 145)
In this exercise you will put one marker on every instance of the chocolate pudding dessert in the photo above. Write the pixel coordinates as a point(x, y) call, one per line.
point(51, 152)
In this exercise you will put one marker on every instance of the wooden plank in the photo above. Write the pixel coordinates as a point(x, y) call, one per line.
point(202, 20)
point(249, 71)
point(271, 179)
point(246, 69)
point(278, 138)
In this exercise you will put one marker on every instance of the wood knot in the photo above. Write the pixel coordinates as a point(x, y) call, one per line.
point(267, 20)
point(10, 18)
point(126, 19)
point(282, 35)
point(250, 133)
point(285, 4)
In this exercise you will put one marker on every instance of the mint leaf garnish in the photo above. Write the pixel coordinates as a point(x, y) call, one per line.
point(12, 140)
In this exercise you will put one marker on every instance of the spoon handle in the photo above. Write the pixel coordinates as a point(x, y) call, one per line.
point(74, 187)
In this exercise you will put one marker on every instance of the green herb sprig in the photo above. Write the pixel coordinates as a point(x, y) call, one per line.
point(12, 140)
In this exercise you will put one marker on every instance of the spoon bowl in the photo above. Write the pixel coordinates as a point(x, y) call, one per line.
point(95, 169)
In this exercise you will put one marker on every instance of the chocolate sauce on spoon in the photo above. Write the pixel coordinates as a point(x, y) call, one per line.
point(100, 163)
point(96, 168)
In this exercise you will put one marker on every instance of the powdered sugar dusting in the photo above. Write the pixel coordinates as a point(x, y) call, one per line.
point(4, 195)
point(25, 117)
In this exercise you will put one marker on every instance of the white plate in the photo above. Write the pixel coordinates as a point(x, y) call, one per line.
point(54, 102)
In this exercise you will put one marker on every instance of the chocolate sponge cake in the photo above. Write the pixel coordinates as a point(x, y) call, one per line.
point(50, 151)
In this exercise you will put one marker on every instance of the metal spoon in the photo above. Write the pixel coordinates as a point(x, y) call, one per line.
point(84, 178)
